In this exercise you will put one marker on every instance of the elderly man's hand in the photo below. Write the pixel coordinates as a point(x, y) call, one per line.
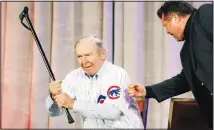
point(64, 100)
point(55, 88)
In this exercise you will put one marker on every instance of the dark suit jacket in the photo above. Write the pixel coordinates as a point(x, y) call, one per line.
point(197, 62)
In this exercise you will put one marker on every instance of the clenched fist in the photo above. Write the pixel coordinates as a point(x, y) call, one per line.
point(55, 87)
point(64, 100)
point(136, 90)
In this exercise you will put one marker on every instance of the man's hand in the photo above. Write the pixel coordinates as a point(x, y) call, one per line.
point(55, 88)
point(63, 100)
point(136, 90)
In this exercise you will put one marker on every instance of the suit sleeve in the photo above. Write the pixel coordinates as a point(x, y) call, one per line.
point(205, 18)
point(171, 87)
point(202, 37)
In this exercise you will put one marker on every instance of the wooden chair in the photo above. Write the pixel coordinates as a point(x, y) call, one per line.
point(184, 114)
point(143, 105)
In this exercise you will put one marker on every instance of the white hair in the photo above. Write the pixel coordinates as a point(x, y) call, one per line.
point(93, 39)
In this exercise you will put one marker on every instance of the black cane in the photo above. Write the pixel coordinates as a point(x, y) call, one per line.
point(24, 14)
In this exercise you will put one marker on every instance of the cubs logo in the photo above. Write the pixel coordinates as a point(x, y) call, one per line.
point(101, 99)
point(113, 92)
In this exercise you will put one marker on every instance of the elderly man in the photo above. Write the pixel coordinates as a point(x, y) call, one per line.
point(97, 90)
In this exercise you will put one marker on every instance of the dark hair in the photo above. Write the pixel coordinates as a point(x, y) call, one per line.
point(180, 7)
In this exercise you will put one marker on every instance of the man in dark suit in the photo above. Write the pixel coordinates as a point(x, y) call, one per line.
point(195, 26)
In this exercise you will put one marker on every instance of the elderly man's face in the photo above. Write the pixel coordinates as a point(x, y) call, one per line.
point(89, 57)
